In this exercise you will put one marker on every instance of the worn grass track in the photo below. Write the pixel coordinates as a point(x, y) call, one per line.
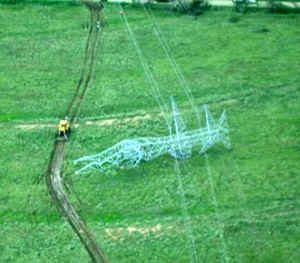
point(54, 179)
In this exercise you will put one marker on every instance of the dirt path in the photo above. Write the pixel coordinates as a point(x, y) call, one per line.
point(106, 122)
point(61, 199)
point(54, 179)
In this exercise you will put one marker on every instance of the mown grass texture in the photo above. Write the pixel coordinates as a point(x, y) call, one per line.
point(232, 206)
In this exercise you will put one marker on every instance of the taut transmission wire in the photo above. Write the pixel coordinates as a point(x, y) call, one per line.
point(164, 109)
point(152, 81)
point(191, 99)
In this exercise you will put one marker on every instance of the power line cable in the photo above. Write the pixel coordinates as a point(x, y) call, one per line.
point(164, 109)
point(191, 99)
point(152, 81)
point(167, 50)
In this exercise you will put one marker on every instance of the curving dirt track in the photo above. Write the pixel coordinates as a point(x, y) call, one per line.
point(54, 179)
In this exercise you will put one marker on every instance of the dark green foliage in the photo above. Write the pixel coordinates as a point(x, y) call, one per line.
point(13, 2)
point(282, 8)
point(234, 19)
point(41, 2)
point(198, 7)
point(241, 6)
point(262, 30)
point(195, 7)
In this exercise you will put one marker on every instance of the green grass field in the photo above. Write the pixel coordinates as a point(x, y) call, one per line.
point(227, 206)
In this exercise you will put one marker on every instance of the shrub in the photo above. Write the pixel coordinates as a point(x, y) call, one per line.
point(195, 7)
point(12, 2)
point(280, 7)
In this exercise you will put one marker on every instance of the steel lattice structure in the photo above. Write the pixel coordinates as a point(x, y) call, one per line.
point(131, 152)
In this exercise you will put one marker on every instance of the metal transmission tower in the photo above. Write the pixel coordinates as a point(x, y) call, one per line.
point(180, 149)
point(179, 143)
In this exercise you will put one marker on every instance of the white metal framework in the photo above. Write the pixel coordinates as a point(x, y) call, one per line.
point(179, 143)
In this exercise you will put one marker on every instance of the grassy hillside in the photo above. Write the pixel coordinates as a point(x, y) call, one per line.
point(227, 206)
